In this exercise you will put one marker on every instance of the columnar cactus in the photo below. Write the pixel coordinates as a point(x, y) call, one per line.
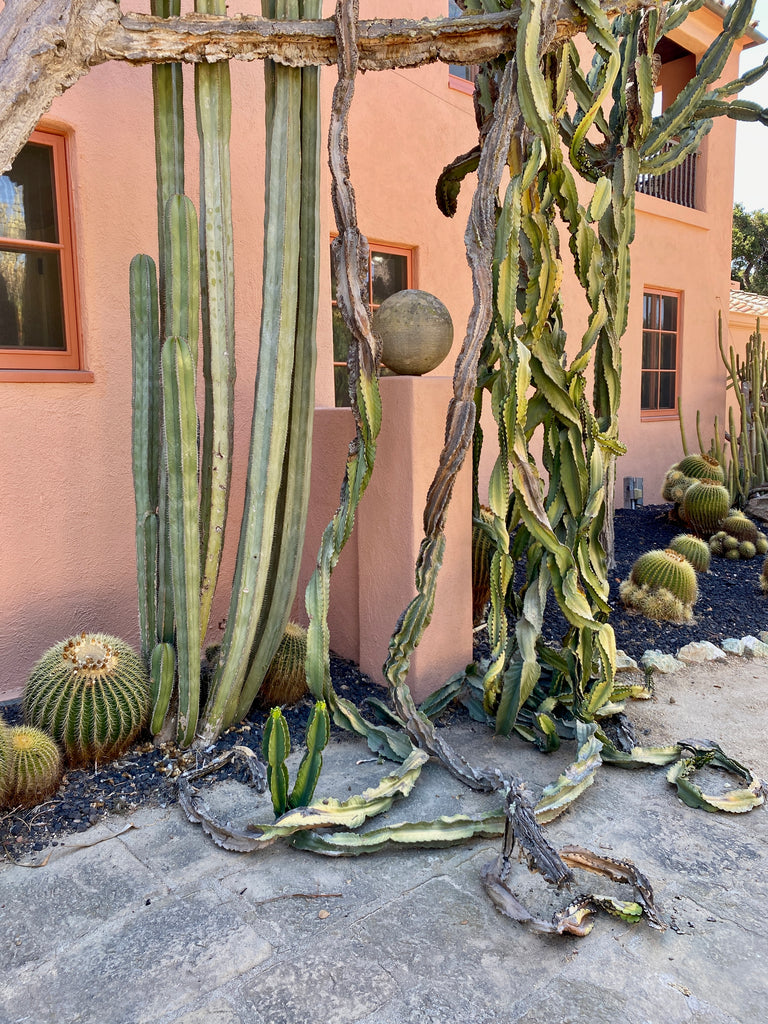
point(35, 766)
point(482, 553)
point(276, 746)
point(91, 693)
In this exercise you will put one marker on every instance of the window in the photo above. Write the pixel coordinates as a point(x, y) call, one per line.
point(461, 76)
point(38, 304)
point(390, 270)
point(661, 333)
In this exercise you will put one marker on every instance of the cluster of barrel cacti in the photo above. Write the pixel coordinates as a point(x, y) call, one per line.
point(661, 585)
point(695, 486)
point(30, 765)
point(739, 538)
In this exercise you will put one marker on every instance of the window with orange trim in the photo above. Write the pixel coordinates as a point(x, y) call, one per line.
point(390, 270)
point(38, 294)
point(460, 76)
point(661, 337)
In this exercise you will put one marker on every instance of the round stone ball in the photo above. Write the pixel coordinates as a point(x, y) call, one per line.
point(416, 332)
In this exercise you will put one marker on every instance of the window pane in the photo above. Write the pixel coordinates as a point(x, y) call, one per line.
point(390, 275)
point(31, 314)
point(668, 360)
point(668, 313)
point(341, 337)
point(650, 350)
point(341, 386)
point(666, 391)
point(650, 311)
point(649, 390)
point(27, 196)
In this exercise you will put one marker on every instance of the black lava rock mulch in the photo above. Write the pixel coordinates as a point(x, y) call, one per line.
point(730, 604)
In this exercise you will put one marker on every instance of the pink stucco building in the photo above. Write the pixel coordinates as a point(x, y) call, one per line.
point(66, 500)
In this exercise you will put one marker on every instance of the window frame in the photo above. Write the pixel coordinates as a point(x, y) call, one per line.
point(462, 83)
point(658, 413)
point(388, 249)
point(35, 364)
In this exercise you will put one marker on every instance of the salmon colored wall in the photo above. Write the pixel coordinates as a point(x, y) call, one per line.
point(66, 505)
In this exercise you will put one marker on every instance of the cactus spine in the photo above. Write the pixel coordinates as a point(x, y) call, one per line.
point(91, 693)
point(35, 766)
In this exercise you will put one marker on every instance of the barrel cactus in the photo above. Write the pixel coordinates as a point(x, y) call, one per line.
point(694, 549)
point(662, 585)
point(286, 679)
point(675, 485)
point(747, 549)
point(35, 766)
point(701, 467)
point(482, 553)
point(5, 760)
point(705, 506)
point(741, 527)
point(764, 577)
point(91, 693)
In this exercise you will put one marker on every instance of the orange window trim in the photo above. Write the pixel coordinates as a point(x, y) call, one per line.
point(36, 365)
point(650, 414)
point(387, 249)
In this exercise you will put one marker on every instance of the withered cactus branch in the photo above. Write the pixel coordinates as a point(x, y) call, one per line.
point(46, 47)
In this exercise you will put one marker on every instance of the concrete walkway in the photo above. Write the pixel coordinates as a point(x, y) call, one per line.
point(158, 925)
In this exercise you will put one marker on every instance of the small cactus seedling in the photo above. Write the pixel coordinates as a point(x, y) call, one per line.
point(705, 506)
point(91, 693)
point(35, 766)
point(286, 678)
point(701, 467)
point(694, 549)
point(276, 746)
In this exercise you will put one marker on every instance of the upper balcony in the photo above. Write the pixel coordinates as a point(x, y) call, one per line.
point(676, 186)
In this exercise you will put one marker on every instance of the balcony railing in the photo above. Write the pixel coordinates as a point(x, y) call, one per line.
point(676, 186)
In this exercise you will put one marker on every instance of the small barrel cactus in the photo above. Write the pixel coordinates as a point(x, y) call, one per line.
point(705, 506)
point(662, 585)
point(701, 467)
point(740, 526)
point(35, 766)
point(5, 760)
point(764, 577)
point(482, 553)
point(286, 678)
point(91, 693)
point(747, 549)
point(694, 549)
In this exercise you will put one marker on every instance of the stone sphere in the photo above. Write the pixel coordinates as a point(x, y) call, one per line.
point(416, 332)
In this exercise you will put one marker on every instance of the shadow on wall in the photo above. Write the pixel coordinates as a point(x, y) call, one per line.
point(36, 626)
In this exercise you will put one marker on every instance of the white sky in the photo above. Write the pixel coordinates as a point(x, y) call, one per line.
point(751, 186)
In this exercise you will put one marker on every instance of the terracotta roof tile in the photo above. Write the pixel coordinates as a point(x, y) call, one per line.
point(749, 302)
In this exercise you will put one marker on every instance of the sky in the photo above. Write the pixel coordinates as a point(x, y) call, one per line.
point(751, 186)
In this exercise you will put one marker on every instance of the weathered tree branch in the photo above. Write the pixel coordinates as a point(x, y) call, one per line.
point(47, 45)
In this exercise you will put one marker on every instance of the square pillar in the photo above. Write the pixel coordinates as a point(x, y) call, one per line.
point(390, 531)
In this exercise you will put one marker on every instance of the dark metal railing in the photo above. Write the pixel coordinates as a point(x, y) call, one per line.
point(676, 186)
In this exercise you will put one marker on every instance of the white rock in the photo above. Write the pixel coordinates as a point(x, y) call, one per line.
point(665, 663)
point(763, 634)
point(747, 647)
point(624, 663)
point(700, 650)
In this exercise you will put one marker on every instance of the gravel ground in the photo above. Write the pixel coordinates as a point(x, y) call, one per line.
point(730, 604)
